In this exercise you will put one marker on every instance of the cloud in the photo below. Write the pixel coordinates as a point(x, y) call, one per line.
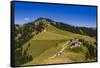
point(26, 19)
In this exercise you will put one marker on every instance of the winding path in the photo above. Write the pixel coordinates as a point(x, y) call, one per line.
point(60, 52)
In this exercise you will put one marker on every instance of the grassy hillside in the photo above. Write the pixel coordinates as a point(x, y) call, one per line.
point(68, 34)
point(47, 53)
point(38, 41)
point(46, 44)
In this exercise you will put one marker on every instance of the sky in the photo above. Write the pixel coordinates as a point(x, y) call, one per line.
point(70, 14)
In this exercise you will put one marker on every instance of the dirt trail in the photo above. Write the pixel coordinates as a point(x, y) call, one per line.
point(61, 51)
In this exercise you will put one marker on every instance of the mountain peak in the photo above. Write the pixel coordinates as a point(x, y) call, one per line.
point(40, 18)
point(44, 18)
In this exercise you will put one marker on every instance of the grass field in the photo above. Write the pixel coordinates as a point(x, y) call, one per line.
point(48, 52)
point(39, 46)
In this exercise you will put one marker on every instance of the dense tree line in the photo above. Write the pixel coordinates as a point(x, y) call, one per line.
point(21, 57)
point(92, 51)
point(80, 30)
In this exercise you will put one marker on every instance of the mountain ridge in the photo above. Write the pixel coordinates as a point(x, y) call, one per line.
point(67, 27)
point(34, 38)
